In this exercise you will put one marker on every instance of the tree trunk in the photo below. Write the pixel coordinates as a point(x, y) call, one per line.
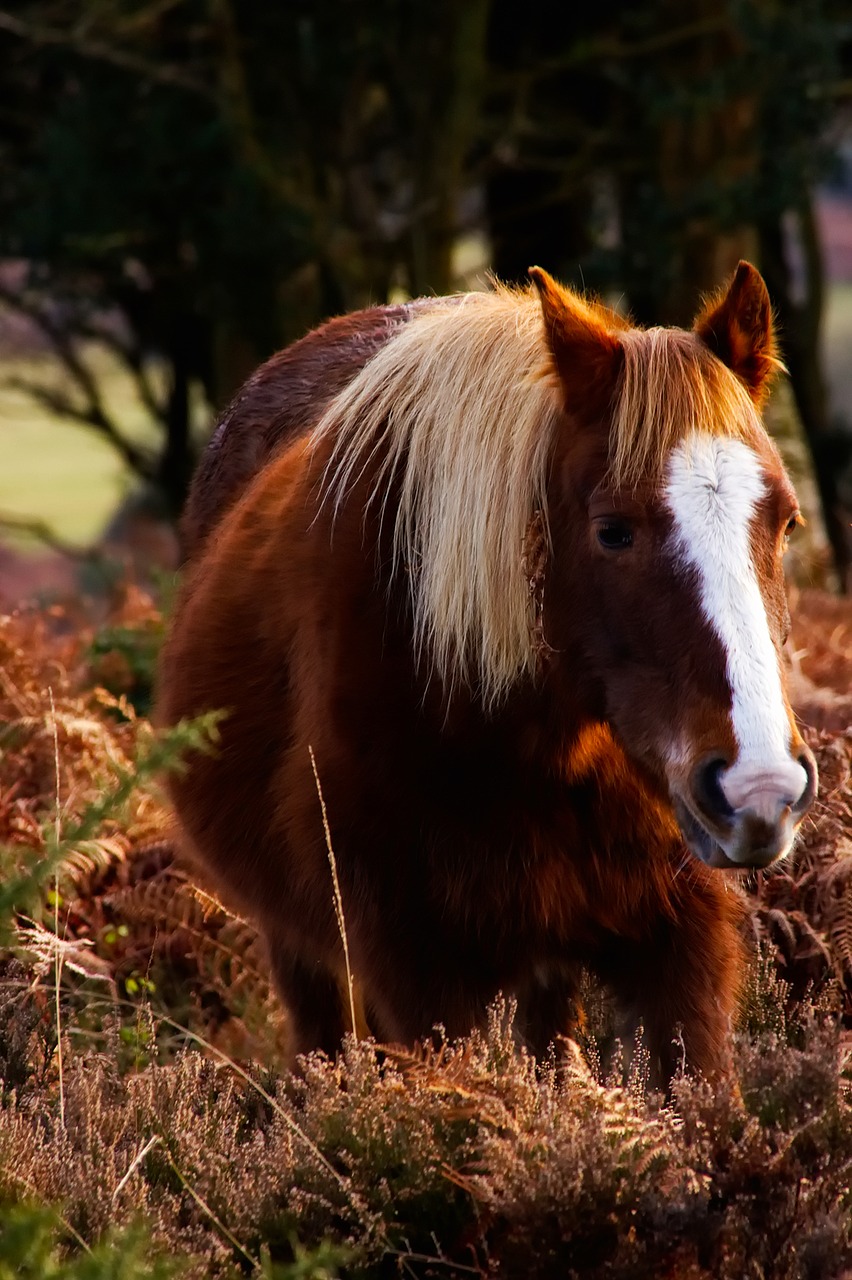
point(800, 325)
point(446, 133)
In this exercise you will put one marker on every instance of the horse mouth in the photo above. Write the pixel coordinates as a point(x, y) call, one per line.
point(704, 846)
point(710, 850)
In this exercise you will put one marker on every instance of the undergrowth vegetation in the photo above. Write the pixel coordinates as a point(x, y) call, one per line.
point(148, 1130)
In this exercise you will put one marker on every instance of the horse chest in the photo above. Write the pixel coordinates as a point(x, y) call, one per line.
point(536, 866)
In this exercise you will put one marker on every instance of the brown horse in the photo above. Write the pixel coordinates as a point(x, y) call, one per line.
point(513, 569)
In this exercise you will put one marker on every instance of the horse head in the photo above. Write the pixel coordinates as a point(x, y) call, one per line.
point(669, 512)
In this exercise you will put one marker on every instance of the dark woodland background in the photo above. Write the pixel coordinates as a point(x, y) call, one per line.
point(195, 183)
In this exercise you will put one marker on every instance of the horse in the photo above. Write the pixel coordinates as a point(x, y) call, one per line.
point(495, 582)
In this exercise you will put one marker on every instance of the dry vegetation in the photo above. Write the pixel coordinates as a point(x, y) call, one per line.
point(133, 1101)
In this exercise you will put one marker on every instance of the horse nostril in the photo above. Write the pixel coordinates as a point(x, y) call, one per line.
point(806, 799)
point(707, 789)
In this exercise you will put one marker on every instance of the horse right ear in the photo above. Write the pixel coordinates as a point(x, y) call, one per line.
point(737, 326)
point(584, 350)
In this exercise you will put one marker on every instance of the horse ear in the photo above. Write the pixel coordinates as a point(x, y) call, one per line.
point(737, 326)
point(584, 350)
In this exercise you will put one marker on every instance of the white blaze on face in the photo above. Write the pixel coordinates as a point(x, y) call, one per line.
point(713, 487)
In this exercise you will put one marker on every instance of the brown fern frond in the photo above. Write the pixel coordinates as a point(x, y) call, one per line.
point(841, 930)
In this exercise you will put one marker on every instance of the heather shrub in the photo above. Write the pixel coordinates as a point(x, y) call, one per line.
point(469, 1155)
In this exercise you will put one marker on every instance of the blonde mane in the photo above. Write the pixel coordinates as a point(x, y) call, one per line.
point(461, 407)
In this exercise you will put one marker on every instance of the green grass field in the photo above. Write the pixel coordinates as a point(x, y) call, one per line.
point(56, 472)
point(52, 469)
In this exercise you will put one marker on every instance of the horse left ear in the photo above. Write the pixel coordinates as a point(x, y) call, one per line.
point(584, 349)
point(737, 326)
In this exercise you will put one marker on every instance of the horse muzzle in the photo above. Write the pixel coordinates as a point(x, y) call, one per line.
point(745, 814)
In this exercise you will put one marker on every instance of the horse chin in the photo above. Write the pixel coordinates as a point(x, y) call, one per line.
point(701, 844)
point(739, 852)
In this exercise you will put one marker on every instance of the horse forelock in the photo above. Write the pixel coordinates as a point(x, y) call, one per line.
point(671, 386)
point(456, 417)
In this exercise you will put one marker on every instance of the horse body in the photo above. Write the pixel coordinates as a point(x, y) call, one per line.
point(469, 573)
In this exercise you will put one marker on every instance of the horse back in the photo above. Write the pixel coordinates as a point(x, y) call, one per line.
point(281, 402)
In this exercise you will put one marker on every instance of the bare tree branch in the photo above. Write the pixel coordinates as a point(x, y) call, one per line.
point(98, 51)
point(131, 357)
point(142, 19)
point(41, 531)
point(93, 413)
point(137, 459)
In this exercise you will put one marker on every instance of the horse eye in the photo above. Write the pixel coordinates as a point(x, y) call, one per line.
point(615, 535)
point(789, 529)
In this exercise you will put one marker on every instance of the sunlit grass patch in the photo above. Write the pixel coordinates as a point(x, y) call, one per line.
point(57, 471)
